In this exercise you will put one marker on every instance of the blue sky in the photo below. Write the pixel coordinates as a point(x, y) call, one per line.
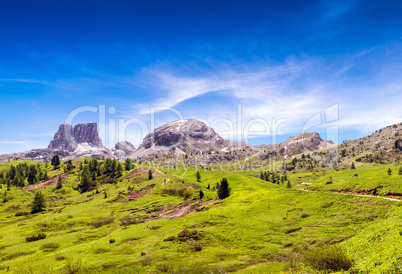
point(284, 60)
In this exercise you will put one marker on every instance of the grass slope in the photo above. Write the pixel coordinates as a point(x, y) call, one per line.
point(240, 233)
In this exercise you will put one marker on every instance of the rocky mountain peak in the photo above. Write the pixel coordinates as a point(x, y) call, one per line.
point(303, 142)
point(186, 135)
point(125, 146)
point(68, 137)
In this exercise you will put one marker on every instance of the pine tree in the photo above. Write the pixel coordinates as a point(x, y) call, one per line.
point(198, 176)
point(209, 186)
point(353, 165)
point(119, 170)
point(223, 189)
point(55, 161)
point(289, 185)
point(400, 171)
point(69, 166)
point(38, 203)
point(32, 174)
point(85, 183)
point(105, 195)
point(128, 164)
point(150, 176)
point(389, 171)
point(201, 194)
point(335, 165)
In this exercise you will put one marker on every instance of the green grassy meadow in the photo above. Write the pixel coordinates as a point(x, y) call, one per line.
point(247, 232)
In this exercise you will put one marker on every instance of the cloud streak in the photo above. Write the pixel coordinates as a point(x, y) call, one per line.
point(295, 90)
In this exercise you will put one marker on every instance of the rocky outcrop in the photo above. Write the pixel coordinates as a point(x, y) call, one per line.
point(182, 136)
point(126, 147)
point(301, 143)
point(87, 133)
point(68, 138)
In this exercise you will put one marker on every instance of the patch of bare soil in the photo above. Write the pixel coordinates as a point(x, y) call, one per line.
point(136, 171)
point(51, 182)
point(137, 194)
point(183, 209)
point(141, 170)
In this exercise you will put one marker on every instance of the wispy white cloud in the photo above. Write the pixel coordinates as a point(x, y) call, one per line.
point(13, 142)
point(43, 134)
point(25, 81)
point(362, 84)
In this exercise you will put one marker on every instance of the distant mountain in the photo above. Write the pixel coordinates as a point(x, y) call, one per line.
point(302, 143)
point(80, 141)
point(383, 146)
point(69, 138)
point(181, 137)
point(199, 143)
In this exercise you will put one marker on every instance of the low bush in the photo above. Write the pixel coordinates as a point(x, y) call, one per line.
point(180, 191)
point(164, 268)
point(59, 257)
point(16, 255)
point(36, 238)
point(112, 241)
point(101, 222)
point(72, 267)
point(49, 247)
point(131, 221)
point(101, 250)
point(331, 258)
point(21, 214)
point(146, 261)
point(197, 247)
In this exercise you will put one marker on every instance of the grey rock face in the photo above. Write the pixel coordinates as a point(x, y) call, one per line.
point(125, 146)
point(186, 135)
point(68, 138)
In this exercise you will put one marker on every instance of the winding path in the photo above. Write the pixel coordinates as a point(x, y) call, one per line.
point(357, 195)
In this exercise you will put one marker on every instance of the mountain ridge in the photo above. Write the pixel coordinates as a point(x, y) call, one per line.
point(177, 138)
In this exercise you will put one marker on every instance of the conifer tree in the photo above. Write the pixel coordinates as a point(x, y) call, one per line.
point(128, 164)
point(389, 171)
point(150, 176)
point(119, 170)
point(38, 203)
point(223, 189)
point(201, 194)
point(55, 161)
point(32, 174)
point(198, 176)
point(85, 183)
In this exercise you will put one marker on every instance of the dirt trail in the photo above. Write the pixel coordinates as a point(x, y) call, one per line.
point(186, 208)
point(141, 170)
point(355, 194)
point(53, 181)
point(137, 194)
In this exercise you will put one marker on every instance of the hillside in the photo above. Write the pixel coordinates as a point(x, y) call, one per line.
point(304, 197)
point(158, 225)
